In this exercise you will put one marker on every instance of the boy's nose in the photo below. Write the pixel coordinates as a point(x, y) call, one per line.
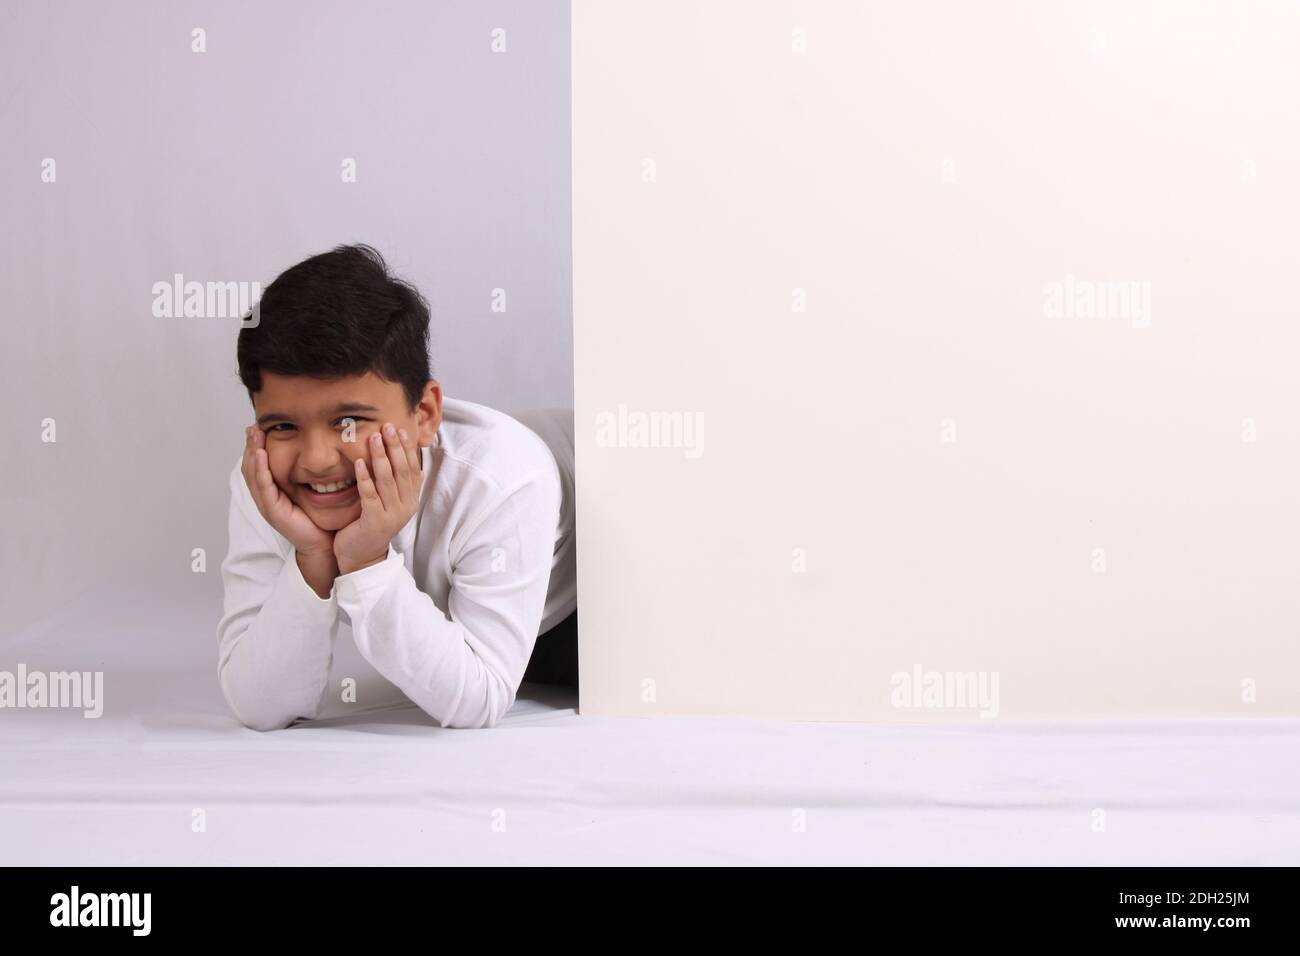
point(321, 457)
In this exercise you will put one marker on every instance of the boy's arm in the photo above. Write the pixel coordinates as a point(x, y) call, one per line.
point(276, 635)
point(463, 668)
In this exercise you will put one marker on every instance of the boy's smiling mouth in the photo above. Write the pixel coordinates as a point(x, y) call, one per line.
point(327, 493)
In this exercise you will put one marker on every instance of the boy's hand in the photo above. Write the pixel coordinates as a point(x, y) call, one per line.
point(276, 507)
point(390, 494)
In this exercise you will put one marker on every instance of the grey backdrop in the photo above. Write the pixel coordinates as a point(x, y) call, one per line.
point(226, 165)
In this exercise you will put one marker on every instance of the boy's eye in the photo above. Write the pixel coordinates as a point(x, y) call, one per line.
point(285, 427)
point(278, 426)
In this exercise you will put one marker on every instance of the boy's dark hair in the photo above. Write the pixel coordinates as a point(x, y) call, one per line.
point(339, 313)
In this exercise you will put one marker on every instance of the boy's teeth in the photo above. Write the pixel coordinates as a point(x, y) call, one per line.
point(336, 486)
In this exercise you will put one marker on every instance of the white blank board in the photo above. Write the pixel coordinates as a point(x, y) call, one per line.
point(979, 327)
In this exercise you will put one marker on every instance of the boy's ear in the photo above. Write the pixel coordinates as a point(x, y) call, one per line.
point(428, 414)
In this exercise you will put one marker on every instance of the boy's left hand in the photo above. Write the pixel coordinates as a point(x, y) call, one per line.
point(390, 494)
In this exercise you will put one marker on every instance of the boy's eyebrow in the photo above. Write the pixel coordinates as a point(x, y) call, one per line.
point(341, 409)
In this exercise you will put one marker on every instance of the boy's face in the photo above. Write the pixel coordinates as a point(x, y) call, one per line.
point(306, 425)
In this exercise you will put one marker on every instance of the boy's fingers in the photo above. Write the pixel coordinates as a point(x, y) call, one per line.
point(256, 489)
point(248, 454)
point(382, 472)
point(253, 444)
point(412, 455)
point(265, 483)
point(250, 469)
point(397, 460)
point(366, 487)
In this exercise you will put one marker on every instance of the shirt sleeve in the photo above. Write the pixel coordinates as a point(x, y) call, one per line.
point(276, 635)
point(463, 667)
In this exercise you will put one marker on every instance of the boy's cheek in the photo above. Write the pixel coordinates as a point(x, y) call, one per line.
point(280, 472)
point(358, 437)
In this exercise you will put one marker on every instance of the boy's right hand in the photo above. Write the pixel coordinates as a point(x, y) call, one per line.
point(276, 507)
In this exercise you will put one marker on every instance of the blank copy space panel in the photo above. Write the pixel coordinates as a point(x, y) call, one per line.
point(937, 361)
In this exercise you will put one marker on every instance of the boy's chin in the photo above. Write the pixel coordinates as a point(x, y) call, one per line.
point(333, 519)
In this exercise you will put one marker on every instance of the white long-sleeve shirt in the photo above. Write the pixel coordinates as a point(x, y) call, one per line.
point(448, 620)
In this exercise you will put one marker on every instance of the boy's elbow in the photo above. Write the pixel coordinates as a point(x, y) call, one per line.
point(484, 720)
point(253, 717)
point(268, 723)
point(458, 724)
point(497, 701)
point(261, 720)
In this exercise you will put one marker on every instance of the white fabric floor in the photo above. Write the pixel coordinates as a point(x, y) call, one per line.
point(549, 786)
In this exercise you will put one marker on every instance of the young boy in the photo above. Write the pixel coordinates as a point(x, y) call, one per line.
point(442, 529)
